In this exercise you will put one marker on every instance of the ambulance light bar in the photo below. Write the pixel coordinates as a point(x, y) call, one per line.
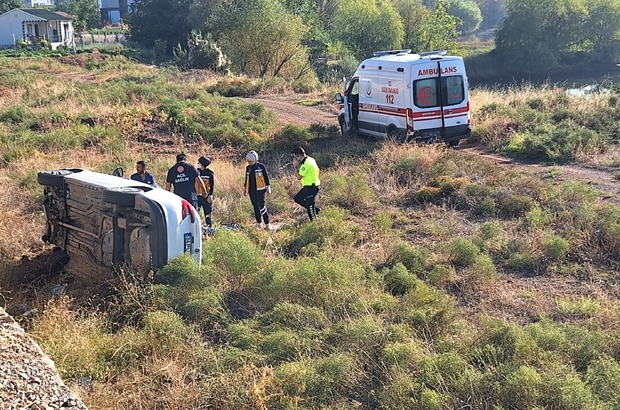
point(388, 52)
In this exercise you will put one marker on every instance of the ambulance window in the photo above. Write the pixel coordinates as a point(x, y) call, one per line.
point(453, 90)
point(425, 93)
point(355, 89)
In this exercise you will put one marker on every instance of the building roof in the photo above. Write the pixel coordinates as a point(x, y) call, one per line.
point(46, 14)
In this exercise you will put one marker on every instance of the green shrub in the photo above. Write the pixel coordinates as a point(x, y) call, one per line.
point(603, 378)
point(351, 192)
point(555, 247)
point(522, 388)
point(441, 275)
point(382, 221)
point(237, 258)
point(291, 135)
point(166, 330)
point(236, 87)
point(402, 355)
point(414, 259)
point(295, 316)
point(282, 345)
point(483, 270)
point(398, 280)
point(537, 217)
point(16, 114)
point(328, 231)
point(580, 308)
point(462, 252)
point(512, 205)
point(400, 392)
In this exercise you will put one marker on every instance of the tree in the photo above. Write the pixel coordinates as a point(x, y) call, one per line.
point(8, 5)
point(536, 33)
point(162, 20)
point(414, 16)
point(468, 13)
point(86, 12)
point(260, 36)
point(603, 29)
point(365, 26)
point(438, 32)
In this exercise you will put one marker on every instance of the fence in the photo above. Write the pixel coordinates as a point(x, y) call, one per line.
point(98, 40)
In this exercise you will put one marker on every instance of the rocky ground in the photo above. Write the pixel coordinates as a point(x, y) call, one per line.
point(28, 378)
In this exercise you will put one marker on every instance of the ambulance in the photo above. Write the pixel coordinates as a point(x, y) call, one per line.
point(407, 97)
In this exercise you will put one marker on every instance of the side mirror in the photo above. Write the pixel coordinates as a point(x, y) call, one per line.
point(118, 172)
point(339, 98)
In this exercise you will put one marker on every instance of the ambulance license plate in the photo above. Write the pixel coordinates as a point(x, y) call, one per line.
point(188, 241)
point(431, 134)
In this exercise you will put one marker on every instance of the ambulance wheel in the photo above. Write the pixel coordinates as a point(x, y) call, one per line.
point(54, 177)
point(394, 136)
point(122, 195)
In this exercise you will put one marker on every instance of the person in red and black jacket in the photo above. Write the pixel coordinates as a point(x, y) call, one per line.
point(257, 186)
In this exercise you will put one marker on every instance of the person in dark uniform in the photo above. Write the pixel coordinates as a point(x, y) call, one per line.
point(308, 175)
point(184, 177)
point(205, 201)
point(257, 186)
point(142, 175)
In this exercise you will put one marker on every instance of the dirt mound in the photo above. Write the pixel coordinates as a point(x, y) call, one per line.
point(83, 60)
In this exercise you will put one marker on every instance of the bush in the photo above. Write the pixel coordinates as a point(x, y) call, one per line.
point(555, 247)
point(398, 280)
point(351, 192)
point(414, 259)
point(462, 252)
point(236, 87)
point(291, 136)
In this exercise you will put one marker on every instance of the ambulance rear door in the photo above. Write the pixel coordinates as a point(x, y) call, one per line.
point(440, 106)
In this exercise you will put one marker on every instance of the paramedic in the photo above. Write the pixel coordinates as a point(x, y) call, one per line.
point(256, 186)
point(183, 177)
point(205, 202)
point(308, 174)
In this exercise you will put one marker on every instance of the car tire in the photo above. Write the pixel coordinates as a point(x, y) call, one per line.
point(453, 143)
point(122, 195)
point(56, 262)
point(53, 177)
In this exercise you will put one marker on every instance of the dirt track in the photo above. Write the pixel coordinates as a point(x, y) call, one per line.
point(290, 113)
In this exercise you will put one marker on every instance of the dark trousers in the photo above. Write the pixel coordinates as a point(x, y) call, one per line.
point(307, 198)
point(260, 209)
point(207, 208)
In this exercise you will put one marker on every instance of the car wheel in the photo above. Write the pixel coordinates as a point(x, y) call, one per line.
point(53, 177)
point(121, 195)
point(453, 143)
point(56, 262)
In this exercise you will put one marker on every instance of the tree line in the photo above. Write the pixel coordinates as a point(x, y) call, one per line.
point(292, 38)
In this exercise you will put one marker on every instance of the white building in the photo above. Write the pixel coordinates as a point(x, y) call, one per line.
point(37, 3)
point(34, 25)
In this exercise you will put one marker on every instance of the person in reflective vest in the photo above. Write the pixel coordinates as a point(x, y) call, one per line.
point(308, 175)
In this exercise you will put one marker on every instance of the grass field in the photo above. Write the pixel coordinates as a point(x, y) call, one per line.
point(433, 279)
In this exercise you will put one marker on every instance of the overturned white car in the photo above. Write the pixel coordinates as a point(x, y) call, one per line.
point(102, 221)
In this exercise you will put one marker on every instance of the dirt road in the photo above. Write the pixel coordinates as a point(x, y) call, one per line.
point(288, 112)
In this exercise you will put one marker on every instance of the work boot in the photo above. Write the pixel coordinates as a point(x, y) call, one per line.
point(258, 225)
point(268, 227)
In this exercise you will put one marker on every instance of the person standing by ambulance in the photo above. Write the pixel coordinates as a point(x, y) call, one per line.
point(205, 201)
point(183, 177)
point(308, 174)
point(257, 186)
